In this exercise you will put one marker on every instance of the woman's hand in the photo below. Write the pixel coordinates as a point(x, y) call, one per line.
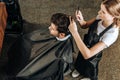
point(72, 26)
point(80, 18)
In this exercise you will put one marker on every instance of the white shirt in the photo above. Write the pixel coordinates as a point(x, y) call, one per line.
point(63, 39)
point(108, 37)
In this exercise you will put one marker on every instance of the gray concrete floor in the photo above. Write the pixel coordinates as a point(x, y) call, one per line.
point(37, 14)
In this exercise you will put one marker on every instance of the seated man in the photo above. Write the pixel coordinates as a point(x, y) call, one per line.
point(50, 56)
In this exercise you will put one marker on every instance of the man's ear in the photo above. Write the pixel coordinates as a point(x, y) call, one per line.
point(61, 35)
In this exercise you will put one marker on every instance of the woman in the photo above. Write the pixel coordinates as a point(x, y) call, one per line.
point(90, 54)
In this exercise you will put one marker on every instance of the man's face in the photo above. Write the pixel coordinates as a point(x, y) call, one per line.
point(53, 30)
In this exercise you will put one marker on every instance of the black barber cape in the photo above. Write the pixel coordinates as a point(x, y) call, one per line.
point(48, 57)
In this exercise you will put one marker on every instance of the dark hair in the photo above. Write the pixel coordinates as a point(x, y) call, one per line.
point(62, 22)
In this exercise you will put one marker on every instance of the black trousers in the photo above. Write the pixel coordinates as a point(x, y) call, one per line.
point(88, 67)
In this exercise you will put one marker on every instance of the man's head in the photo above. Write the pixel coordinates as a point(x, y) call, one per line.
point(59, 25)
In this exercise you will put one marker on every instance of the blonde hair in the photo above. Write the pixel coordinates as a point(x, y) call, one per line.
point(113, 7)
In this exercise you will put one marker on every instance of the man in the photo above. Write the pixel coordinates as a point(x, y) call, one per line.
point(50, 56)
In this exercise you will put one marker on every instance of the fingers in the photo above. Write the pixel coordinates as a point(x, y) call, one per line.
point(79, 15)
point(71, 19)
point(78, 12)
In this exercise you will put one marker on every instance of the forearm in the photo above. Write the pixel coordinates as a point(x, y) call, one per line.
point(81, 46)
point(86, 24)
point(87, 52)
